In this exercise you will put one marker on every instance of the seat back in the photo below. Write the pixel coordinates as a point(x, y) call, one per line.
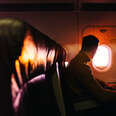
point(55, 79)
point(57, 89)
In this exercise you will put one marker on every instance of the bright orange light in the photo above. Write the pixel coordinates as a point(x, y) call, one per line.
point(28, 50)
point(102, 58)
point(17, 65)
point(41, 56)
point(51, 56)
point(35, 55)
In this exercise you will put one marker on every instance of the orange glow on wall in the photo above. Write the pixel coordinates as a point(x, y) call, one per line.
point(104, 33)
point(102, 59)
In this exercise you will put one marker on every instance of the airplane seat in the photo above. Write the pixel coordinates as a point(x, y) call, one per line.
point(67, 95)
point(55, 80)
point(43, 94)
point(38, 54)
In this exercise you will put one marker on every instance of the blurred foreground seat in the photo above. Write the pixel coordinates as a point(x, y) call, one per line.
point(41, 92)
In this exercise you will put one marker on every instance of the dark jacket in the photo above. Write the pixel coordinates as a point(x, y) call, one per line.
point(77, 73)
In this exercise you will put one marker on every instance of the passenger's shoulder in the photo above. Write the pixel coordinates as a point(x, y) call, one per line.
point(85, 68)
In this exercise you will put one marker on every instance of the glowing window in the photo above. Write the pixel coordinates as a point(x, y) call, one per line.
point(102, 58)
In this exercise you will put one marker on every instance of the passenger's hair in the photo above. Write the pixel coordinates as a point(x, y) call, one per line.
point(89, 42)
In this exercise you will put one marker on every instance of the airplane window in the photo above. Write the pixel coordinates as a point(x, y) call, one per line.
point(102, 59)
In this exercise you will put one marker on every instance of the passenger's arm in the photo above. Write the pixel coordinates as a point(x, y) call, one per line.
point(94, 87)
point(107, 85)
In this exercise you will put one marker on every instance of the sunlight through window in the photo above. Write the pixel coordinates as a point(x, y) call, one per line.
point(102, 58)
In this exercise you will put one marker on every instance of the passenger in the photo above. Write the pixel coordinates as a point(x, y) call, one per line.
point(80, 79)
point(13, 32)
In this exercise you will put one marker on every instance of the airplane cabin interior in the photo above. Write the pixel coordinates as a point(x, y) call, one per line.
point(53, 36)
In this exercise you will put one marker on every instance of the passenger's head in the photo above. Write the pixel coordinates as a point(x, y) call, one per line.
point(89, 45)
